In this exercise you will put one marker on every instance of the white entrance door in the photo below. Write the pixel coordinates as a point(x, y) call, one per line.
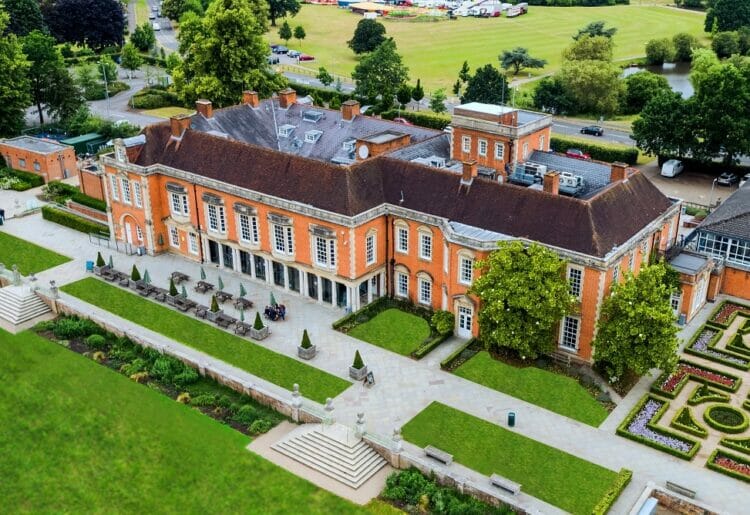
point(128, 233)
point(464, 321)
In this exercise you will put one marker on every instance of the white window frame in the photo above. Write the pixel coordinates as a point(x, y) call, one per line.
point(370, 249)
point(425, 245)
point(137, 194)
point(425, 291)
point(482, 147)
point(569, 341)
point(216, 218)
point(21, 163)
point(193, 243)
point(616, 274)
point(576, 283)
point(525, 152)
point(631, 261)
point(499, 150)
point(174, 237)
point(542, 140)
point(466, 144)
point(115, 187)
point(402, 284)
point(282, 239)
point(126, 190)
point(324, 251)
point(465, 273)
point(248, 228)
point(402, 239)
point(139, 233)
point(37, 166)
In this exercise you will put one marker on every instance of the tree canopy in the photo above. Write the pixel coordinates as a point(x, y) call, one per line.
point(642, 87)
point(368, 35)
point(280, 8)
point(594, 86)
point(380, 73)
point(25, 16)
point(636, 329)
point(225, 53)
point(726, 15)
point(594, 29)
point(130, 59)
point(285, 32)
point(659, 51)
point(590, 48)
point(524, 295)
point(143, 37)
point(518, 59)
point(437, 101)
point(175, 9)
point(97, 23)
point(14, 84)
point(663, 128)
point(487, 85)
point(684, 44)
point(726, 44)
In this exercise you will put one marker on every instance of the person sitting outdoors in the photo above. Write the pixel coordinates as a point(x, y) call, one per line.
point(282, 311)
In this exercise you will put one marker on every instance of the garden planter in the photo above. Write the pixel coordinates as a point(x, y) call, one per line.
point(211, 315)
point(132, 284)
point(171, 299)
point(98, 270)
point(308, 353)
point(358, 374)
point(259, 334)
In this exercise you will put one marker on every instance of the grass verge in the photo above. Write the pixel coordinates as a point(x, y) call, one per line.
point(394, 330)
point(79, 438)
point(251, 357)
point(488, 448)
point(555, 392)
point(30, 258)
point(167, 112)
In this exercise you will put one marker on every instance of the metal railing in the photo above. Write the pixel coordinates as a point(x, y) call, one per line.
point(101, 240)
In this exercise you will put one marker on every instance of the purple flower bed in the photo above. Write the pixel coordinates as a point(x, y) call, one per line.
point(639, 426)
point(701, 345)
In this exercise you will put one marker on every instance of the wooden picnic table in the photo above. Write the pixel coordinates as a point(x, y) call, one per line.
point(242, 303)
point(203, 286)
point(161, 293)
point(224, 321)
point(201, 311)
point(179, 277)
point(143, 288)
point(242, 328)
point(223, 296)
point(183, 304)
point(108, 274)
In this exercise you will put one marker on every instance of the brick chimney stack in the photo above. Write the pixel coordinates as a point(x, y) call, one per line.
point(469, 171)
point(619, 172)
point(251, 98)
point(204, 107)
point(287, 98)
point(552, 183)
point(179, 124)
point(349, 110)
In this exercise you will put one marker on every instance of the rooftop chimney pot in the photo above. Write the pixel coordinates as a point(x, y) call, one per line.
point(204, 107)
point(469, 171)
point(179, 124)
point(349, 110)
point(551, 183)
point(251, 99)
point(619, 172)
point(287, 98)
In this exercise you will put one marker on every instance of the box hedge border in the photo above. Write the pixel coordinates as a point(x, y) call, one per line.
point(622, 430)
point(734, 444)
point(613, 492)
point(710, 345)
point(737, 345)
point(721, 427)
point(429, 120)
point(446, 363)
point(715, 396)
point(695, 429)
point(72, 221)
point(718, 468)
point(686, 378)
point(725, 325)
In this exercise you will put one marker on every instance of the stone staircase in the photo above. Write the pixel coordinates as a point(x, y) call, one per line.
point(18, 304)
point(332, 451)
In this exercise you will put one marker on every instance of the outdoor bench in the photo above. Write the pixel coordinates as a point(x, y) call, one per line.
point(437, 454)
point(505, 484)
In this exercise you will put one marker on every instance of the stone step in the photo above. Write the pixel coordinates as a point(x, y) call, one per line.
point(337, 443)
point(347, 461)
point(18, 305)
point(338, 447)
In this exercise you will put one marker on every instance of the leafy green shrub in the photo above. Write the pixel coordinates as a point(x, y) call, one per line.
point(188, 376)
point(325, 95)
point(123, 350)
point(134, 367)
point(305, 340)
point(246, 415)
point(73, 327)
point(20, 185)
point(153, 98)
point(165, 368)
point(85, 200)
point(96, 341)
point(443, 321)
point(358, 363)
point(429, 120)
point(45, 325)
point(172, 288)
point(224, 401)
point(260, 426)
point(598, 151)
point(204, 399)
point(73, 221)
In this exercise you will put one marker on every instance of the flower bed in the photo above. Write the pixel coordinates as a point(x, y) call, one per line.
point(726, 418)
point(684, 421)
point(640, 425)
point(724, 315)
point(703, 344)
point(704, 393)
point(738, 444)
point(670, 384)
point(729, 464)
point(737, 346)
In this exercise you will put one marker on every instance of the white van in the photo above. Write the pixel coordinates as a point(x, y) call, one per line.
point(672, 168)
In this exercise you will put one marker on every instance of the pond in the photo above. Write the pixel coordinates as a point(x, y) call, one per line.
point(677, 74)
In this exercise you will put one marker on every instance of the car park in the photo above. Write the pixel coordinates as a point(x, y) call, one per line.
point(152, 15)
point(672, 168)
point(156, 26)
point(727, 179)
point(305, 57)
point(577, 154)
point(293, 53)
point(280, 49)
point(594, 130)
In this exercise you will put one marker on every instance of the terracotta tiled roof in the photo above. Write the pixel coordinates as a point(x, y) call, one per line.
point(592, 226)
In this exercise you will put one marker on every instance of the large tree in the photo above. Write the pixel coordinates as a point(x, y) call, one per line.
point(590, 48)
point(595, 86)
point(550, 96)
point(280, 8)
point(225, 53)
point(665, 127)
point(175, 9)
point(726, 44)
point(97, 23)
point(14, 83)
point(380, 73)
point(684, 44)
point(659, 51)
point(368, 35)
point(143, 37)
point(487, 85)
point(728, 15)
point(25, 16)
point(640, 88)
point(518, 59)
point(594, 29)
point(636, 330)
point(52, 87)
point(524, 295)
point(131, 59)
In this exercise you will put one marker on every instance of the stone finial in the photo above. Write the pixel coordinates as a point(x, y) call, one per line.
point(53, 289)
point(360, 427)
point(16, 276)
point(329, 412)
point(296, 397)
point(329, 405)
point(397, 440)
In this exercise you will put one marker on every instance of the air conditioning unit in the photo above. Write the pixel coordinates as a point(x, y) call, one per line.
point(568, 180)
point(535, 169)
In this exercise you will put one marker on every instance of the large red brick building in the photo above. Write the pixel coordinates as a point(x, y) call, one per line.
point(49, 159)
point(343, 208)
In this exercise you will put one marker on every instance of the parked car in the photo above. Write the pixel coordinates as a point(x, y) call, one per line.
point(293, 53)
point(594, 130)
point(273, 59)
point(156, 26)
point(280, 49)
point(727, 179)
point(152, 15)
point(577, 154)
point(744, 179)
point(305, 57)
point(402, 121)
point(672, 168)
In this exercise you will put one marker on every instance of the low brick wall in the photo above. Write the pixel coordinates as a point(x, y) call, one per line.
point(87, 212)
point(679, 504)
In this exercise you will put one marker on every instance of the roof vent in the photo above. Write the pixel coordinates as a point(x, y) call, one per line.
point(286, 130)
point(297, 143)
point(312, 116)
point(313, 136)
point(349, 145)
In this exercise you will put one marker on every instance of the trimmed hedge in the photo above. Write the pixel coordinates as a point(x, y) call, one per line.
point(671, 395)
point(684, 421)
point(30, 178)
point(446, 363)
point(369, 311)
point(716, 354)
point(598, 151)
point(725, 325)
point(429, 120)
point(622, 430)
point(704, 393)
point(738, 444)
point(154, 98)
point(73, 221)
point(611, 495)
point(718, 453)
point(711, 421)
point(93, 203)
point(60, 192)
point(430, 345)
point(327, 95)
point(737, 345)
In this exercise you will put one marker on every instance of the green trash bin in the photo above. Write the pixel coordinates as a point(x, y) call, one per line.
point(511, 418)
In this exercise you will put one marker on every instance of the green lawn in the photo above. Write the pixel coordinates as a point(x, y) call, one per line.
point(554, 392)
point(394, 330)
point(434, 52)
point(80, 438)
point(30, 258)
point(559, 478)
point(279, 369)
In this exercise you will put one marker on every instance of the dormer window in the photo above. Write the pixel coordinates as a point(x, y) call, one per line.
point(312, 136)
point(312, 116)
point(349, 145)
point(286, 130)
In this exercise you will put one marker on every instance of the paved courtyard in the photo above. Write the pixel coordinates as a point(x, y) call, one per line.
point(403, 386)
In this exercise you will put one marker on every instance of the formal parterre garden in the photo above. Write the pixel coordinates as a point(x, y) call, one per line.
point(705, 395)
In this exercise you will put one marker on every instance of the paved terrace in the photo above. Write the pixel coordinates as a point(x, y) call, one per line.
point(403, 386)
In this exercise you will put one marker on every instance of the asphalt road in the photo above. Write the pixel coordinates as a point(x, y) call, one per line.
point(570, 128)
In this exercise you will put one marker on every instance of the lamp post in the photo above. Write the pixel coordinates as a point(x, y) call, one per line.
point(106, 88)
point(711, 195)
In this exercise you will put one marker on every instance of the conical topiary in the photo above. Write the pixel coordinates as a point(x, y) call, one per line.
point(305, 341)
point(172, 288)
point(135, 275)
point(99, 259)
point(183, 293)
point(358, 363)
point(258, 324)
point(214, 304)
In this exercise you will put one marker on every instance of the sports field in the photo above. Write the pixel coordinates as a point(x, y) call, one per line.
point(434, 51)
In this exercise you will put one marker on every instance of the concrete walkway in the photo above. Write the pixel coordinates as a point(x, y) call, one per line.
point(403, 386)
